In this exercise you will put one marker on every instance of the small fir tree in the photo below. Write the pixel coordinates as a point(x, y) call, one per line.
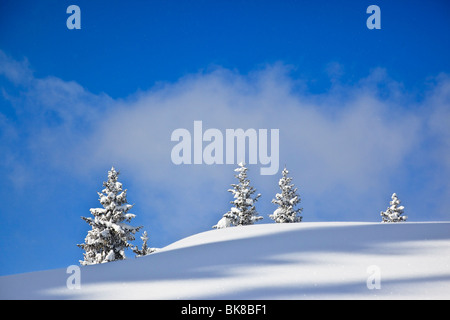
point(286, 201)
point(394, 212)
point(110, 233)
point(145, 249)
point(243, 212)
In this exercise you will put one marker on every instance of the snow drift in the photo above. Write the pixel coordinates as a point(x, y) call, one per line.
point(316, 260)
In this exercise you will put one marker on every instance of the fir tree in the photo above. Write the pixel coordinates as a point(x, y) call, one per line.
point(243, 212)
point(145, 249)
point(110, 233)
point(286, 201)
point(394, 212)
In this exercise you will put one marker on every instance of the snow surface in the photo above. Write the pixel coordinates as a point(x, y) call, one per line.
point(307, 260)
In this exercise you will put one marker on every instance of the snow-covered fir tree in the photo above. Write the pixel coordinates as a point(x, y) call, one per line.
point(394, 212)
point(110, 232)
point(286, 201)
point(243, 212)
point(145, 249)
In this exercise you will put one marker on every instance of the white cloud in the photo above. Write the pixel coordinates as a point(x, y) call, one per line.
point(355, 145)
point(344, 147)
point(17, 72)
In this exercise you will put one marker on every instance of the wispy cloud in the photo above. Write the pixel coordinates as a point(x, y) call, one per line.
point(348, 148)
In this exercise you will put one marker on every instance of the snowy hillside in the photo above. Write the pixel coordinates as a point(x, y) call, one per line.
point(268, 261)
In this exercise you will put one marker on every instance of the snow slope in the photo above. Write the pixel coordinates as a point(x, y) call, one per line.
point(324, 260)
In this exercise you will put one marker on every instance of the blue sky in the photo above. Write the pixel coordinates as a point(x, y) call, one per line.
point(362, 113)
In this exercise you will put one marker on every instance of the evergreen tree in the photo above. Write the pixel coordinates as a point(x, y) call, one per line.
point(286, 201)
point(110, 233)
point(243, 212)
point(145, 249)
point(394, 212)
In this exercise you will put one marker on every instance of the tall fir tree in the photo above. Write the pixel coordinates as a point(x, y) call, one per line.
point(394, 212)
point(110, 234)
point(286, 201)
point(243, 211)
